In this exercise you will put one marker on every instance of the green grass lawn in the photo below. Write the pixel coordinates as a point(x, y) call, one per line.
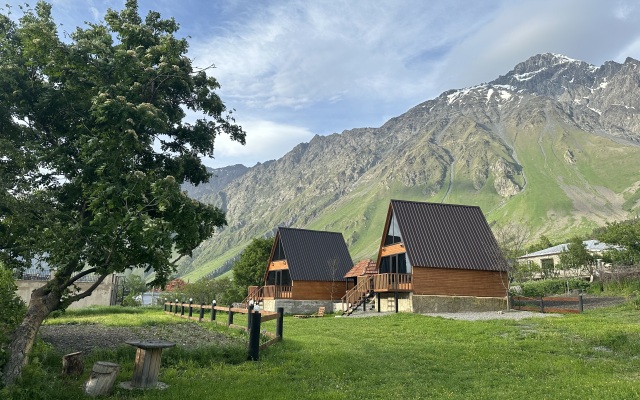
point(594, 355)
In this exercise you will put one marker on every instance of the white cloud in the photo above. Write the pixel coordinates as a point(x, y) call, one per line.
point(591, 31)
point(265, 140)
point(298, 54)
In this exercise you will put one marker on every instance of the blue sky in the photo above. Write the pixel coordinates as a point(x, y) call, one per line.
point(293, 69)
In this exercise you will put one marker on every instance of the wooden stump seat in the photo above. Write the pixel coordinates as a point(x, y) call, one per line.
point(147, 363)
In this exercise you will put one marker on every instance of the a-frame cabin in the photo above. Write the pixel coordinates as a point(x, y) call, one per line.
point(438, 258)
point(305, 271)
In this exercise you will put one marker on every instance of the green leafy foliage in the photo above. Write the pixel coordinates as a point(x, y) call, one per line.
point(576, 256)
point(203, 291)
point(12, 309)
point(97, 147)
point(547, 287)
point(249, 269)
point(625, 234)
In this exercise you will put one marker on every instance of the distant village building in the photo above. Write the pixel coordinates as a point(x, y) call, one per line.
point(549, 259)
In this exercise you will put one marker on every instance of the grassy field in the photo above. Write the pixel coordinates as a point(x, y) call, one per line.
point(587, 356)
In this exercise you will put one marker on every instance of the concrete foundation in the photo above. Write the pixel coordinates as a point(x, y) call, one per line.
point(388, 302)
point(298, 306)
point(434, 304)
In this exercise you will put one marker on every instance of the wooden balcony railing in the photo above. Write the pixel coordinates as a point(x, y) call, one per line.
point(392, 283)
point(276, 292)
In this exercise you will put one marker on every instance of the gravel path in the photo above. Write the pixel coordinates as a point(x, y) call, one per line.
point(70, 338)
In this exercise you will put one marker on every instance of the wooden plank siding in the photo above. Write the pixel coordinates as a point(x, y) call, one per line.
point(459, 282)
point(278, 265)
point(392, 249)
point(317, 290)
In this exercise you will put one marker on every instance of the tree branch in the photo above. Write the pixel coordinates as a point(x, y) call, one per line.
point(70, 281)
point(86, 293)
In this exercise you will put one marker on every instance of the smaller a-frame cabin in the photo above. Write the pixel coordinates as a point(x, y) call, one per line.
point(305, 271)
point(438, 258)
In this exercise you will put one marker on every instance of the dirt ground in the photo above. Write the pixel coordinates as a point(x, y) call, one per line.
point(70, 338)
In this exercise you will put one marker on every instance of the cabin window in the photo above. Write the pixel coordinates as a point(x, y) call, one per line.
point(393, 234)
point(278, 253)
point(395, 264)
point(279, 278)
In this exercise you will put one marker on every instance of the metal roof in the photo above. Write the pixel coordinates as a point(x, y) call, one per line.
point(446, 236)
point(592, 246)
point(312, 255)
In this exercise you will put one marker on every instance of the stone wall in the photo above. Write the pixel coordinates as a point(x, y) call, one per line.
point(103, 295)
point(432, 304)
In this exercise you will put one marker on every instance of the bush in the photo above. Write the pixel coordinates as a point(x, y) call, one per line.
point(11, 312)
point(552, 286)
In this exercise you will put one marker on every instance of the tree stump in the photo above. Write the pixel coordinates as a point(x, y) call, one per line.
point(72, 364)
point(103, 376)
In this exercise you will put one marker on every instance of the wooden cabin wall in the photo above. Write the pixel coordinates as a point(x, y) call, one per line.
point(459, 282)
point(317, 290)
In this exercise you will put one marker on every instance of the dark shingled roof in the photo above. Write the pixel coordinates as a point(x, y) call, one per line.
point(447, 236)
point(311, 254)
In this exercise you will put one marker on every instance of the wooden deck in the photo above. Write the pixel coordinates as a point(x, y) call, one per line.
point(383, 283)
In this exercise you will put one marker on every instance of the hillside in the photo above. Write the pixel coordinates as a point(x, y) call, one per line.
point(554, 143)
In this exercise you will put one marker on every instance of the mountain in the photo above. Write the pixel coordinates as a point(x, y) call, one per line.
point(553, 144)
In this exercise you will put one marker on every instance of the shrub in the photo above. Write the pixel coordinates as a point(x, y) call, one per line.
point(11, 311)
point(552, 286)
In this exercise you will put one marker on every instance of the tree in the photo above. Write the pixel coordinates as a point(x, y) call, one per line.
point(625, 234)
point(249, 268)
point(576, 256)
point(542, 243)
point(93, 150)
point(511, 239)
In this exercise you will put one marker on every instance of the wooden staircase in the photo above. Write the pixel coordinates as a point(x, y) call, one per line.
point(357, 295)
point(255, 294)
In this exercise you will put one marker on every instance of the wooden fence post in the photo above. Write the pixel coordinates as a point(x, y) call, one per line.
point(213, 310)
point(280, 322)
point(250, 309)
point(175, 307)
point(580, 303)
point(254, 337)
point(190, 308)
point(230, 317)
point(182, 309)
point(201, 312)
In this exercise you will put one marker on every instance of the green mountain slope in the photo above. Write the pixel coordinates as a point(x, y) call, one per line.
point(554, 144)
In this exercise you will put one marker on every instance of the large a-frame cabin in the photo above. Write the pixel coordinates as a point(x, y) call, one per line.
point(437, 258)
point(305, 271)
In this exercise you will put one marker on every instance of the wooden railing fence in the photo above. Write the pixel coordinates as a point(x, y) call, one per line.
point(547, 304)
point(254, 321)
point(392, 282)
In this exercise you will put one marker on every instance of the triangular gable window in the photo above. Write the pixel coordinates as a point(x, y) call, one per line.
point(278, 254)
point(393, 234)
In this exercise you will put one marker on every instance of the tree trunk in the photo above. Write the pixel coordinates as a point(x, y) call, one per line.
point(43, 301)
